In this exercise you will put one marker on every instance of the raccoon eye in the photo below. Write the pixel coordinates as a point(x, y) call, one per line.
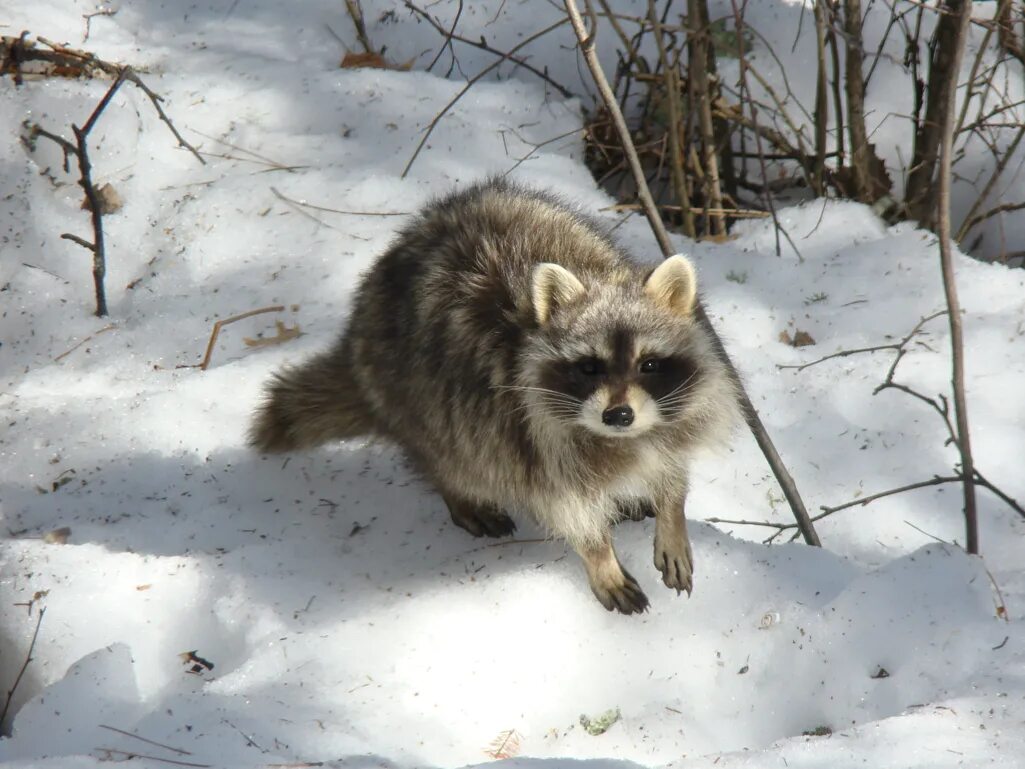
point(590, 367)
point(652, 366)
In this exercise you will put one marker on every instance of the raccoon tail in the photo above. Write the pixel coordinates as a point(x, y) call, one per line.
point(311, 404)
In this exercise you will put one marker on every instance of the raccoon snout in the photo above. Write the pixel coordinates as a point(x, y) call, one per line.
point(618, 416)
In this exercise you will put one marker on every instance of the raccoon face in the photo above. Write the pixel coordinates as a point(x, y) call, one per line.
point(622, 387)
point(617, 360)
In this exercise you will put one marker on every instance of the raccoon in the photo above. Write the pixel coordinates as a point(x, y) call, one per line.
point(524, 363)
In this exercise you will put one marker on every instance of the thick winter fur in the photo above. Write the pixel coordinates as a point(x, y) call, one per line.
point(525, 364)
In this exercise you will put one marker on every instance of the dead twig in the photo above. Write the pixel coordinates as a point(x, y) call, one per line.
point(356, 14)
point(24, 666)
point(281, 196)
point(534, 147)
point(125, 73)
point(482, 45)
point(899, 347)
point(828, 511)
point(95, 334)
point(179, 751)
point(672, 87)
point(469, 84)
point(80, 148)
point(963, 19)
point(110, 754)
point(586, 41)
point(202, 365)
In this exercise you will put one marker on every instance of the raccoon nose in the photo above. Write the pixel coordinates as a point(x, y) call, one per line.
point(618, 416)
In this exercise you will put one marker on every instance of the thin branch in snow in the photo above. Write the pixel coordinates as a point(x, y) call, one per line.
point(448, 35)
point(113, 754)
point(281, 196)
point(469, 84)
point(22, 50)
point(202, 365)
point(95, 334)
point(179, 751)
point(356, 14)
point(482, 45)
point(120, 72)
point(534, 147)
point(900, 348)
point(24, 666)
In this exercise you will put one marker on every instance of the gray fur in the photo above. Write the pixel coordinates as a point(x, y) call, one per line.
point(448, 352)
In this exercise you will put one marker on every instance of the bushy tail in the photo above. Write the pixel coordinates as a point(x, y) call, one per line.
point(310, 404)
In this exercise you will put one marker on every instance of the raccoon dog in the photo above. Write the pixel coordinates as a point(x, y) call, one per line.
point(525, 364)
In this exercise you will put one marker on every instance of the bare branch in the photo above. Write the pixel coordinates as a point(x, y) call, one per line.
point(24, 666)
point(482, 45)
point(963, 11)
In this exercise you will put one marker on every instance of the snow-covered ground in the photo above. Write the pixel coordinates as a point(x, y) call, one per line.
point(346, 619)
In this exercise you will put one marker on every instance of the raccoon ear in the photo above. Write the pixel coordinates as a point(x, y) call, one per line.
point(673, 285)
point(552, 286)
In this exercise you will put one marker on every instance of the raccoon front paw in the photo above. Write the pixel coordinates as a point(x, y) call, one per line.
point(675, 565)
point(482, 521)
point(623, 595)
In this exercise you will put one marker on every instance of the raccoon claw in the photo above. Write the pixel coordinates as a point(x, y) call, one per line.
point(626, 598)
point(481, 521)
point(676, 569)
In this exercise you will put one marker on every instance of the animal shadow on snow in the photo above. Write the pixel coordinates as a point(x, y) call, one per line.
point(351, 514)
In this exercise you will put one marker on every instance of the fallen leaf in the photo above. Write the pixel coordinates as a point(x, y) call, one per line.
point(799, 339)
point(110, 200)
point(372, 61)
point(57, 536)
point(505, 745)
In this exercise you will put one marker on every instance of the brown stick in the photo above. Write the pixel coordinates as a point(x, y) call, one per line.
point(863, 160)
point(672, 86)
point(821, 98)
point(66, 353)
point(963, 10)
point(80, 149)
point(221, 324)
point(786, 482)
point(129, 755)
point(945, 46)
point(701, 102)
point(356, 14)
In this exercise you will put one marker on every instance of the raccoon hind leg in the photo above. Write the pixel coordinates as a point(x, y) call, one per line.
point(480, 519)
point(635, 509)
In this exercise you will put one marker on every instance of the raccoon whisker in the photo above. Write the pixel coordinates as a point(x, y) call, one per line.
point(545, 390)
point(678, 400)
point(551, 407)
point(677, 392)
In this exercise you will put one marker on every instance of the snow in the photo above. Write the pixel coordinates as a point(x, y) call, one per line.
point(346, 619)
